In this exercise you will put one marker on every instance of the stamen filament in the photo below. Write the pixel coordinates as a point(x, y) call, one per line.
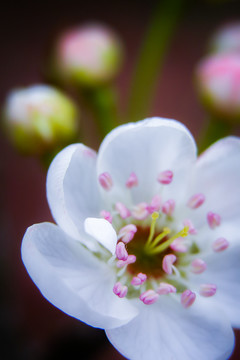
point(157, 240)
point(155, 216)
point(166, 244)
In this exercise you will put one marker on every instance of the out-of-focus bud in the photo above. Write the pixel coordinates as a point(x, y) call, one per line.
point(218, 83)
point(226, 39)
point(89, 55)
point(39, 119)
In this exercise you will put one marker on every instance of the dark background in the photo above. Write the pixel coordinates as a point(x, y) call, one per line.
point(31, 328)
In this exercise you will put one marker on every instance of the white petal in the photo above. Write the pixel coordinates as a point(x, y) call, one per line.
point(147, 148)
point(72, 279)
point(72, 189)
point(166, 330)
point(223, 270)
point(103, 232)
point(217, 176)
point(55, 193)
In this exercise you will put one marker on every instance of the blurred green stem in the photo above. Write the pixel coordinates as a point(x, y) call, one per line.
point(214, 130)
point(102, 101)
point(151, 57)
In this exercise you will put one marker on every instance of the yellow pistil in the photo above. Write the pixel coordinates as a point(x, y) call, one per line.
point(157, 240)
point(155, 216)
point(160, 248)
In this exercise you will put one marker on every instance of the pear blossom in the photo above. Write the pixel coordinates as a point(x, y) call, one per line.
point(40, 118)
point(88, 55)
point(218, 84)
point(123, 275)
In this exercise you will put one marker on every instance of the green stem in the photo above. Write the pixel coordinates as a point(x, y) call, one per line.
point(214, 130)
point(151, 57)
point(103, 103)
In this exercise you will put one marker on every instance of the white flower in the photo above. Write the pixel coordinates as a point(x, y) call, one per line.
point(159, 269)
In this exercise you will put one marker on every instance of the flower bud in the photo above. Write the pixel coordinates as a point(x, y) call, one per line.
point(39, 119)
point(89, 55)
point(218, 81)
point(226, 39)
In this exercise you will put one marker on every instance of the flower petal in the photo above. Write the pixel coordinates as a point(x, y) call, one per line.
point(165, 330)
point(72, 279)
point(217, 176)
point(146, 149)
point(72, 190)
point(223, 270)
point(55, 193)
point(103, 232)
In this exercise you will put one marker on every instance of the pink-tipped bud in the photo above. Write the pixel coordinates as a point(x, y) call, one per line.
point(120, 290)
point(122, 210)
point(165, 289)
point(220, 244)
point(167, 263)
point(165, 177)
point(89, 55)
point(130, 260)
point(126, 234)
point(155, 204)
point(149, 297)
point(207, 290)
point(198, 266)
point(105, 181)
point(213, 219)
point(168, 207)
point(187, 298)
point(139, 279)
point(195, 201)
point(106, 215)
point(132, 181)
point(191, 228)
point(140, 211)
point(218, 80)
point(121, 251)
point(179, 245)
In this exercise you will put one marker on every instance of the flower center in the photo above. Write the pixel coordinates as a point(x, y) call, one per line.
point(153, 256)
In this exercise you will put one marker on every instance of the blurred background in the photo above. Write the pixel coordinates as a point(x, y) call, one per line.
point(31, 328)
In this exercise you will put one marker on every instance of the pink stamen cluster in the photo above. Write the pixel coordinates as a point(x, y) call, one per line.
point(142, 212)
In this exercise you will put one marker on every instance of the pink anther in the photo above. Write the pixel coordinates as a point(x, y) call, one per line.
point(165, 289)
point(213, 219)
point(121, 251)
point(196, 200)
point(139, 279)
point(155, 204)
point(220, 244)
point(168, 207)
point(105, 181)
point(126, 234)
point(106, 215)
point(207, 290)
point(191, 228)
point(198, 266)
point(130, 260)
point(179, 245)
point(122, 210)
point(140, 211)
point(149, 297)
point(132, 181)
point(165, 177)
point(120, 290)
point(187, 298)
point(167, 263)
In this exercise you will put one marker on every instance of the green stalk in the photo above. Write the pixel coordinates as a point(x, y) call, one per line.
point(152, 54)
point(214, 130)
point(102, 101)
